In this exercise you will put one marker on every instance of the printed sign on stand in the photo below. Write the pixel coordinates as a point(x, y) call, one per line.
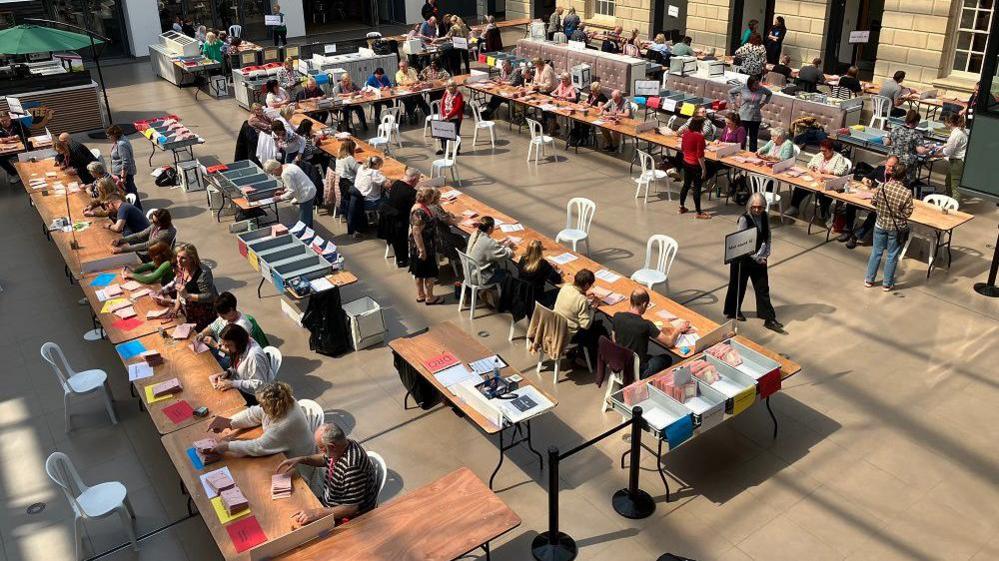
point(445, 130)
point(272, 20)
point(460, 43)
point(647, 87)
point(739, 244)
point(329, 49)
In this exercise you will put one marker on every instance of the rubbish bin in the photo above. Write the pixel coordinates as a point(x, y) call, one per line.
point(367, 327)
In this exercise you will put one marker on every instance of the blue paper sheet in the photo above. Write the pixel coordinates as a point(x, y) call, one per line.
point(195, 460)
point(130, 349)
point(103, 280)
point(679, 431)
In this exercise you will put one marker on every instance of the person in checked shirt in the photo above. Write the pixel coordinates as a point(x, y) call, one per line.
point(893, 205)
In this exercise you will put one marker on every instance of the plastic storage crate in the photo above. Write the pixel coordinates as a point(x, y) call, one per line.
point(367, 326)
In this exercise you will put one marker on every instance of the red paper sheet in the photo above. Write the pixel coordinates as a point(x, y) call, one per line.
point(246, 533)
point(438, 363)
point(179, 412)
point(127, 324)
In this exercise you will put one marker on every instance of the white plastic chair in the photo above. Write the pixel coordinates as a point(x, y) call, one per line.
point(313, 412)
point(275, 357)
point(381, 469)
point(149, 213)
point(98, 501)
point(559, 37)
point(97, 154)
point(130, 198)
point(235, 31)
point(449, 161)
point(77, 383)
point(435, 115)
point(470, 270)
point(538, 141)
point(941, 202)
point(383, 138)
point(395, 111)
point(615, 382)
point(480, 124)
point(665, 249)
point(578, 217)
point(882, 110)
point(650, 175)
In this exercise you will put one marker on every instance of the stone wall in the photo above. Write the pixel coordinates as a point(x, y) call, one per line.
point(806, 23)
point(707, 23)
point(516, 9)
point(912, 39)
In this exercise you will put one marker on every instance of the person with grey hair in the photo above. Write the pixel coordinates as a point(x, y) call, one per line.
point(753, 267)
point(298, 187)
point(366, 194)
point(350, 483)
point(401, 198)
point(779, 147)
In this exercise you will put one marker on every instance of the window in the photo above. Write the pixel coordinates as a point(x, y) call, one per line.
point(605, 7)
point(974, 20)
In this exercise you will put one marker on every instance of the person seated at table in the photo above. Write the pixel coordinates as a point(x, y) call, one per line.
point(810, 77)
point(312, 91)
point(250, 367)
point(659, 45)
point(852, 235)
point(227, 314)
point(595, 99)
point(893, 90)
point(632, 331)
point(290, 145)
point(826, 164)
point(276, 95)
point(11, 128)
point(297, 186)
point(101, 191)
point(580, 34)
point(347, 87)
point(73, 157)
point(783, 67)
point(616, 106)
point(577, 305)
point(192, 291)
point(406, 76)
point(514, 77)
point(534, 269)
point(733, 132)
point(379, 81)
point(544, 76)
point(779, 148)
point(288, 76)
point(564, 91)
point(212, 47)
point(850, 81)
point(434, 72)
point(231, 46)
point(683, 48)
point(259, 120)
point(428, 29)
point(365, 195)
point(488, 253)
point(350, 483)
point(159, 268)
point(126, 218)
point(285, 426)
point(160, 229)
point(612, 41)
point(708, 129)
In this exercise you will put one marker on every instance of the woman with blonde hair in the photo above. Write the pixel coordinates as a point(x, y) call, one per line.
point(106, 187)
point(285, 426)
point(534, 269)
point(212, 47)
point(192, 292)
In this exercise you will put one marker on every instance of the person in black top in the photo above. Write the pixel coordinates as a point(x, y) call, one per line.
point(188, 28)
point(73, 154)
point(126, 218)
point(10, 127)
point(429, 10)
point(753, 267)
point(852, 236)
point(401, 198)
point(850, 81)
point(534, 269)
point(311, 91)
point(632, 331)
point(784, 67)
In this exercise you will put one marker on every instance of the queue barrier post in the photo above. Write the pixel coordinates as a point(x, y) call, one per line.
point(633, 502)
point(553, 545)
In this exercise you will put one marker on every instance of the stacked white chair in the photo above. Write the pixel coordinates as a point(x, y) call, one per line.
point(578, 218)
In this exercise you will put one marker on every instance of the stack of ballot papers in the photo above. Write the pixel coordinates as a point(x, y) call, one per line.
point(280, 486)
point(234, 501)
point(204, 448)
point(183, 331)
point(131, 285)
point(170, 386)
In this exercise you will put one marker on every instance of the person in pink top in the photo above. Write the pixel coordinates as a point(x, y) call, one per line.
point(564, 91)
point(733, 132)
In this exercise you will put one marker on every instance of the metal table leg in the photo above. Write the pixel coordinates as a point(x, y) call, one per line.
point(661, 469)
point(772, 417)
point(500, 463)
point(259, 286)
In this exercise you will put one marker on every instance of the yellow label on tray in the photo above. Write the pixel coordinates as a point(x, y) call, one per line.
point(150, 399)
point(743, 400)
point(252, 258)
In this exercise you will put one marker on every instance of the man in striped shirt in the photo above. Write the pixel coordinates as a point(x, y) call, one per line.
point(350, 487)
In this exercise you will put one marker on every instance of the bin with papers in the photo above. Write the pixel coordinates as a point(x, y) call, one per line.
point(309, 266)
point(658, 410)
point(763, 369)
point(738, 387)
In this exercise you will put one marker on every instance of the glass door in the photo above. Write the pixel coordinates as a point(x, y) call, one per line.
point(102, 17)
point(251, 16)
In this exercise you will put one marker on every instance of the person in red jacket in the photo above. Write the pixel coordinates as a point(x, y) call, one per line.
point(452, 109)
point(694, 168)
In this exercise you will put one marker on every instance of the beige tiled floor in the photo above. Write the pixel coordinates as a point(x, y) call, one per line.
point(887, 438)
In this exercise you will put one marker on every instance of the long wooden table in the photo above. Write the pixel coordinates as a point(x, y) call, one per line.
point(499, 24)
point(108, 320)
point(448, 337)
point(252, 475)
point(443, 520)
point(361, 98)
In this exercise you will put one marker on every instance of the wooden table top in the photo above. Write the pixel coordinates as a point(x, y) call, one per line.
point(440, 521)
point(10, 145)
point(447, 336)
point(141, 305)
point(252, 475)
point(499, 24)
point(193, 370)
point(396, 92)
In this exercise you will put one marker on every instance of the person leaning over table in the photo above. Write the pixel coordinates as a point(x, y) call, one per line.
point(347, 87)
point(488, 253)
point(313, 91)
point(827, 163)
point(754, 56)
point(100, 189)
point(285, 427)
point(695, 169)
point(276, 95)
point(594, 99)
point(453, 110)
point(850, 81)
point(905, 142)
point(954, 150)
point(616, 106)
point(544, 76)
point(460, 30)
point(192, 291)
point(753, 268)
point(297, 187)
point(159, 268)
point(125, 217)
point(854, 236)
point(290, 145)
point(212, 48)
point(779, 148)
point(123, 161)
point(350, 483)
point(428, 29)
point(893, 90)
point(406, 76)
point(369, 183)
point(423, 247)
point(632, 331)
point(810, 77)
point(893, 204)
point(379, 81)
point(259, 120)
point(752, 97)
point(514, 77)
point(577, 305)
point(564, 91)
point(73, 157)
point(580, 34)
point(160, 230)
point(8, 128)
point(249, 368)
point(401, 198)
point(227, 314)
point(683, 48)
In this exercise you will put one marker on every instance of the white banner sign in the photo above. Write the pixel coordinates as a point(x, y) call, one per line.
point(329, 49)
point(673, 11)
point(272, 20)
point(443, 129)
point(860, 36)
point(647, 87)
point(739, 244)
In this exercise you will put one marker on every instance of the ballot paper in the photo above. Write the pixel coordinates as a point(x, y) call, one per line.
point(321, 284)
point(563, 259)
point(125, 313)
point(297, 229)
point(666, 315)
point(450, 195)
point(131, 285)
point(280, 486)
point(607, 276)
point(139, 371)
point(456, 375)
point(687, 340)
point(205, 477)
point(515, 240)
point(112, 290)
point(153, 314)
point(507, 228)
point(486, 365)
point(182, 331)
point(140, 293)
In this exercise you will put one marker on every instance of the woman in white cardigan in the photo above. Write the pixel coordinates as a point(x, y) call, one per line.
point(250, 367)
point(286, 428)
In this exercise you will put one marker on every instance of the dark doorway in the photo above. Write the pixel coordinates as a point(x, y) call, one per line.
point(543, 9)
point(673, 26)
point(743, 11)
point(845, 17)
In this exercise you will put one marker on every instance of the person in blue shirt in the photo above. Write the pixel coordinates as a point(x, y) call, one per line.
point(428, 30)
point(379, 81)
point(127, 218)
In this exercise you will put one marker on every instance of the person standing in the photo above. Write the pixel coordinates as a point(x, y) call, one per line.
point(893, 205)
point(905, 143)
point(754, 56)
point(212, 47)
point(751, 28)
point(775, 40)
point(571, 22)
point(429, 10)
point(422, 248)
point(401, 198)
point(893, 90)
point(954, 150)
point(753, 267)
point(752, 97)
point(555, 23)
point(695, 169)
point(123, 161)
point(453, 110)
point(298, 187)
point(280, 30)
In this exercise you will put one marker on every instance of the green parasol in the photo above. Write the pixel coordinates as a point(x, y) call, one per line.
point(27, 39)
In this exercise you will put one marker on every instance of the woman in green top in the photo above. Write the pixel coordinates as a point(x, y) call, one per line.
point(212, 48)
point(780, 147)
point(158, 270)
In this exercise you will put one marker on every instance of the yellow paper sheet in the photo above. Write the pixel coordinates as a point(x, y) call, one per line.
point(223, 515)
point(743, 400)
point(151, 400)
point(108, 304)
point(252, 258)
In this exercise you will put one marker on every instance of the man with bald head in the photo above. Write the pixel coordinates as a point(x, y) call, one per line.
point(73, 155)
point(617, 106)
point(632, 331)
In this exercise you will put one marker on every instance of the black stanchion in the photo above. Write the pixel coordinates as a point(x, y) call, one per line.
point(633, 502)
point(553, 545)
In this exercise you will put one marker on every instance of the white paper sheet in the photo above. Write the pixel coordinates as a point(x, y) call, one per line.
point(607, 276)
point(139, 371)
point(208, 488)
point(507, 228)
point(563, 259)
point(486, 365)
point(456, 375)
